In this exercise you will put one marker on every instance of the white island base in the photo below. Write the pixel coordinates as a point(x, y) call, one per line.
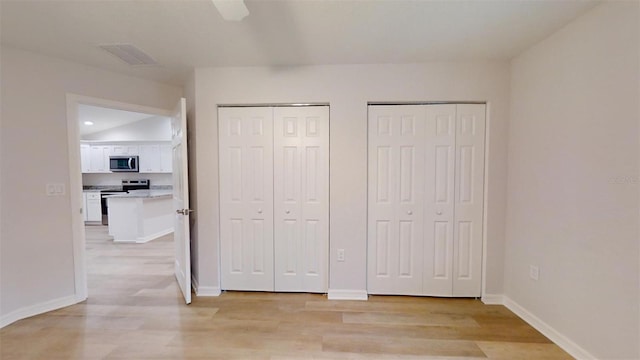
point(139, 218)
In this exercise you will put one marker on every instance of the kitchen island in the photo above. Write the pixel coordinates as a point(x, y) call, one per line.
point(140, 216)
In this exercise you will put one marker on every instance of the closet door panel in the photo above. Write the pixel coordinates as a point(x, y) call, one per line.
point(301, 198)
point(439, 199)
point(246, 198)
point(469, 193)
point(396, 176)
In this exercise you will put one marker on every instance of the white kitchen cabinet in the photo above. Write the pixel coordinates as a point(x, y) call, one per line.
point(85, 158)
point(156, 158)
point(140, 218)
point(166, 158)
point(99, 158)
point(149, 158)
point(125, 150)
point(92, 206)
point(153, 157)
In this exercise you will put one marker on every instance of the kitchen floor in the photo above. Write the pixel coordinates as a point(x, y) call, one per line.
point(136, 311)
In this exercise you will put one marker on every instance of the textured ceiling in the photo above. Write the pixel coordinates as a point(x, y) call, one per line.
point(183, 34)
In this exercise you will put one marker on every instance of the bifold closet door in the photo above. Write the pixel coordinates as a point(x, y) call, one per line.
point(396, 183)
point(246, 198)
point(454, 202)
point(426, 187)
point(439, 199)
point(301, 198)
point(469, 200)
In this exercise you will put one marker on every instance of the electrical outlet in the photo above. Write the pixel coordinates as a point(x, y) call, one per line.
point(340, 254)
point(534, 272)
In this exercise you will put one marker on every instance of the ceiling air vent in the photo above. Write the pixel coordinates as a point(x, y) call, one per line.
point(129, 54)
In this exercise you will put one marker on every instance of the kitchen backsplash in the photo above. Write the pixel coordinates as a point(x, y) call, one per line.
point(115, 179)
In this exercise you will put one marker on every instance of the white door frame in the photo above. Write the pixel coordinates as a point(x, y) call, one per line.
point(75, 178)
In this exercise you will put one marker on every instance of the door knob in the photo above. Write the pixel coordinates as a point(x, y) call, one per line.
point(259, 211)
point(287, 211)
point(409, 212)
point(439, 212)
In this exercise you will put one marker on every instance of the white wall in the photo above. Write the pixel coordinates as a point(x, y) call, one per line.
point(347, 88)
point(573, 181)
point(36, 264)
point(154, 128)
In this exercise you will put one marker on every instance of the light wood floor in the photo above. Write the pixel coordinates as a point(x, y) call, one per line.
point(135, 311)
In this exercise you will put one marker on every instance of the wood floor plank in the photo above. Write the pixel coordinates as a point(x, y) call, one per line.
point(401, 346)
point(135, 310)
point(522, 351)
point(409, 319)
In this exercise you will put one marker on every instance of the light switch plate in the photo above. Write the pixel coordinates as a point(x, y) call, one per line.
point(55, 189)
point(51, 190)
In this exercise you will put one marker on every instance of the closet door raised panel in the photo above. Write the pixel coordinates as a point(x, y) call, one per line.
point(439, 199)
point(301, 198)
point(396, 177)
point(246, 198)
point(469, 193)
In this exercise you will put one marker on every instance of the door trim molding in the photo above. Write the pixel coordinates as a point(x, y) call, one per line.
point(382, 103)
point(272, 105)
point(75, 178)
point(485, 199)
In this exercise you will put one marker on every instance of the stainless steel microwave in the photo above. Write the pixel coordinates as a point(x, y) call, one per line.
point(123, 163)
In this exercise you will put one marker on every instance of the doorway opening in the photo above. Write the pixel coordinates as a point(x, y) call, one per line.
point(121, 180)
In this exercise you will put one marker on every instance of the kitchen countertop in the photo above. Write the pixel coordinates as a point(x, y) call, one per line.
point(119, 187)
point(146, 194)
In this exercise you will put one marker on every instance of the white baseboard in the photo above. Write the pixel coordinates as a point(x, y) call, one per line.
point(493, 299)
point(554, 335)
point(347, 295)
point(208, 291)
point(38, 309)
point(204, 290)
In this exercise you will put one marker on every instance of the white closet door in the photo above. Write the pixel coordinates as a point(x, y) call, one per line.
point(396, 177)
point(246, 198)
point(439, 199)
point(301, 195)
point(469, 191)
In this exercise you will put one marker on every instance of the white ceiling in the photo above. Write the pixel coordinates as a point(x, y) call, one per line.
point(183, 34)
point(104, 118)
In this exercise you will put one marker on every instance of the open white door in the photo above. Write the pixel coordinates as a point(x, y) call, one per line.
point(181, 199)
